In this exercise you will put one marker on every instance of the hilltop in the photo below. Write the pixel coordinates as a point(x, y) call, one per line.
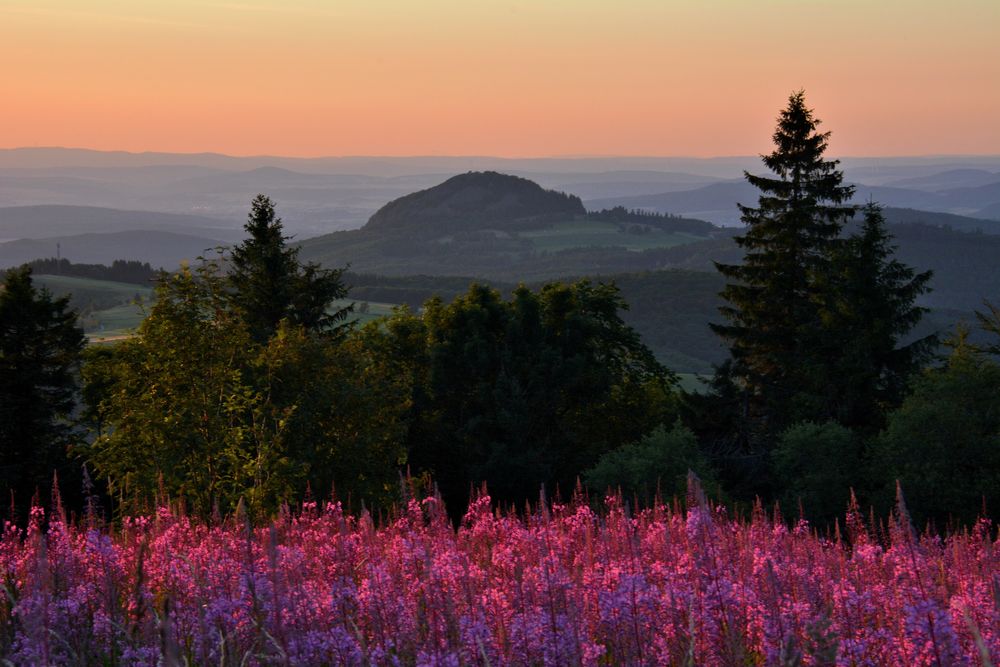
point(476, 200)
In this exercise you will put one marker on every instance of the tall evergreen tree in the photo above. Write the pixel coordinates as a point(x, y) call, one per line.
point(269, 283)
point(773, 313)
point(40, 346)
point(870, 306)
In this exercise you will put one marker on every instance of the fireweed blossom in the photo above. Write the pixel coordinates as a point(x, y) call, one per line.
point(565, 585)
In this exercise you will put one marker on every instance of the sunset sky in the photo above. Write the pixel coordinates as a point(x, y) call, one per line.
point(483, 77)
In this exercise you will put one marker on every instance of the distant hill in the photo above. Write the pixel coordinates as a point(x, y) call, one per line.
point(718, 202)
point(48, 221)
point(976, 197)
point(952, 178)
point(161, 249)
point(499, 227)
point(909, 216)
point(476, 200)
point(991, 212)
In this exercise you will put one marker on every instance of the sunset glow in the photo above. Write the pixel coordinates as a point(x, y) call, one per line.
point(513, 78)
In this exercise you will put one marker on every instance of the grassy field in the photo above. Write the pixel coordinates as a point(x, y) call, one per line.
point(594, 233)
point(114, 322)
point(86, 289)
point(108, 310)
point(375, 310)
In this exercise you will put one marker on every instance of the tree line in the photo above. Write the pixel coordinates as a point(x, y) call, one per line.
point(120, 270)
point(244, 387)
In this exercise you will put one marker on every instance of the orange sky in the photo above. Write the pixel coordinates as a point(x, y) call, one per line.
point(513, 78)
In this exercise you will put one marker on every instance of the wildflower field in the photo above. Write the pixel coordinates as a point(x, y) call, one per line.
point(566, 585)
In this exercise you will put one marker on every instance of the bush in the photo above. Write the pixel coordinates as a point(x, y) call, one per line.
point(657, 464)
point(943, 444)
point(816, 465)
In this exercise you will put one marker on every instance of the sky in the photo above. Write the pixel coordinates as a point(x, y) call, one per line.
point(484, 77)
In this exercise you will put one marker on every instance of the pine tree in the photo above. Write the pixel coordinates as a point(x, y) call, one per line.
point(40, 346)
point(773, 311)
point(269, 283)
point(870, 306)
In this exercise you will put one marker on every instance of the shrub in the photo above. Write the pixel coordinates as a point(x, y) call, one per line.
point(657, 464)
point(816, 465)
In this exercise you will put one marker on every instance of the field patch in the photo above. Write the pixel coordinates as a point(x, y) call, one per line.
point(596, 233)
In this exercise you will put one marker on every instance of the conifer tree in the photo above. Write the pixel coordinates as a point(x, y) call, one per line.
point(773, 313)
point(40, 346)
point(269, 283)
point(870, 306)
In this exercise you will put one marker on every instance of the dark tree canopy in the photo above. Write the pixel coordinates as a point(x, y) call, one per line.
point(269, 284)
point(869, 308)
point(773, 310)
point(943, 444)
point(522, 392)
point(40, 346)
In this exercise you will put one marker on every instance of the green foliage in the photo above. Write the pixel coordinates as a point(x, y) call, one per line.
point(173, 399)
point(656, 464)
point(669, 309)
point(269, 284)
point(943, 444)
point(194, 407)
point(522, 392)
point(40, 345)
point(817, 465)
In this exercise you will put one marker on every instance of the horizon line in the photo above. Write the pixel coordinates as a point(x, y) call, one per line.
point(419, 156)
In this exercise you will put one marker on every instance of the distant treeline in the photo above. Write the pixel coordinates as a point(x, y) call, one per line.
point(665, 221)
point(121, 270)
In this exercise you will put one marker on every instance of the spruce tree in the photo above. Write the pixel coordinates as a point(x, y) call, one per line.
point(269, 283)
point(40, 346)
point(870, 306)
point(773, 313)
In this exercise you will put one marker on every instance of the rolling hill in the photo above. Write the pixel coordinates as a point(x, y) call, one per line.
point(161, 249)
point(718, 202)
point(951, 178)
point(48, 221)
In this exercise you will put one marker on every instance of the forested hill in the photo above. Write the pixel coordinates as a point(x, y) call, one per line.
point(475, 200)
point(500, 227)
